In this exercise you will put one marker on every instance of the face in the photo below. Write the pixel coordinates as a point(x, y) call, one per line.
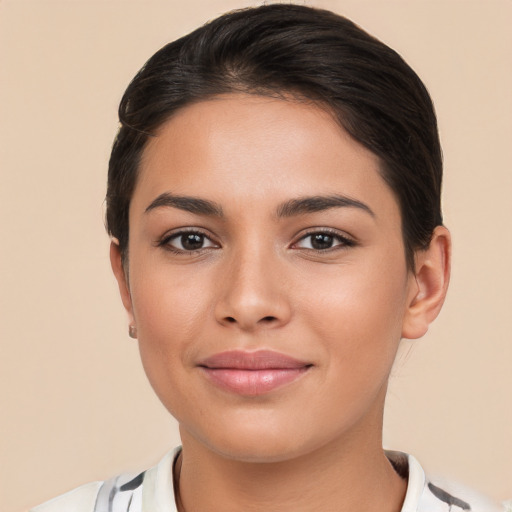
point(266, 278)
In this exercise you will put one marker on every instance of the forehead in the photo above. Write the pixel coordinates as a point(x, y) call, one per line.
point(255, 149)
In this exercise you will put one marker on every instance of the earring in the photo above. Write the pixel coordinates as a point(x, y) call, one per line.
point(132, 331)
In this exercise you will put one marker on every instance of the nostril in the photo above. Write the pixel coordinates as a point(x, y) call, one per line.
point(265, 319)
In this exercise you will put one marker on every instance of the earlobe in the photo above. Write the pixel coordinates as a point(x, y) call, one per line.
point(428, 285)
point(122, 278)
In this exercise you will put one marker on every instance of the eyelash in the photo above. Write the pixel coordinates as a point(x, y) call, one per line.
point(344, 241)
point(166, 239)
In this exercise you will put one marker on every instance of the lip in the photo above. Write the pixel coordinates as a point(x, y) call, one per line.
point(252, 373)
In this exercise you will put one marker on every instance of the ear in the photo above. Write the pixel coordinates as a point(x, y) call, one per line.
point(122, 278)
point(428, 285)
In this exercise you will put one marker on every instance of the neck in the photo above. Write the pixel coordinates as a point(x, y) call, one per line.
point(336, 477)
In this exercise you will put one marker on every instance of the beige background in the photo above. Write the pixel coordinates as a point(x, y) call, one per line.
point(74, 402)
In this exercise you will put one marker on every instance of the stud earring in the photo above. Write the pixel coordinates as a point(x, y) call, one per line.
point(132, 331)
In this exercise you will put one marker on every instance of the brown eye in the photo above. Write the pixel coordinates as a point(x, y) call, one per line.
point(192, 241)
point(188, 242)
point(323, 240)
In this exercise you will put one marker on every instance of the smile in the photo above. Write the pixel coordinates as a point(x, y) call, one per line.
point(252, 373)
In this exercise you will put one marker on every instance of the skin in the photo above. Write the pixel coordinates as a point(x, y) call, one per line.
point(257, 282)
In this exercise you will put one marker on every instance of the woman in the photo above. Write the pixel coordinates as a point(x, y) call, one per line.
point(274, 207)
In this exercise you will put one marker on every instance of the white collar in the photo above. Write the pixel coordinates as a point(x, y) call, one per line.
point(158, 489)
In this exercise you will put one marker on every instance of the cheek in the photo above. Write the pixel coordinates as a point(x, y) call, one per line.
point(170, 310)
point(358, 323)
point(357, 314)
point(168, 302)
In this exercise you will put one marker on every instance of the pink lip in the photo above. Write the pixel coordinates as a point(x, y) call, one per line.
point(252, 373)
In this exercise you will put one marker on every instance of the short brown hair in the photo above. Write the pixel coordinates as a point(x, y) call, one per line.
point(282, 50)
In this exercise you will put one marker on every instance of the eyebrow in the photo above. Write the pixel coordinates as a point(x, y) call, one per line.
point(291, 208)
point(313, 204)
point(187, 203)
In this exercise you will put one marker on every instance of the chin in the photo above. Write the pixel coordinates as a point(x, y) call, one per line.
point(259, 449)
point(258, 441)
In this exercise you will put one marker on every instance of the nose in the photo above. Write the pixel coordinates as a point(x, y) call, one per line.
point(253, 293)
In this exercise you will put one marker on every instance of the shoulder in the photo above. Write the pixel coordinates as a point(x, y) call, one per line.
point(123, 493)
point(81, 499)
point(457, 497)
point(120, 494)
point(428, 493)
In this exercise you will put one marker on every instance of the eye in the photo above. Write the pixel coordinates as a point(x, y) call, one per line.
point(323, 240)
point(187, 241)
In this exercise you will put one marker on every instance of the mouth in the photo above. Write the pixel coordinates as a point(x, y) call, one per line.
point(252, 373)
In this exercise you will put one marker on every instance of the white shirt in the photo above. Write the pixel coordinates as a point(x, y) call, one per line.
point(152, 491)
